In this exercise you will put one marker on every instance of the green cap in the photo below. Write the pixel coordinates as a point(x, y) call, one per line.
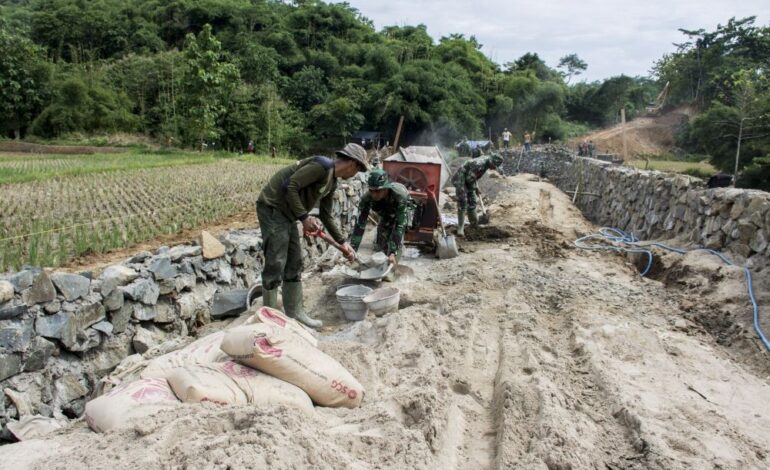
point(378, 179)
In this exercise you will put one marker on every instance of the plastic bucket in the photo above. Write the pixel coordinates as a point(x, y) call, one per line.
point(383, 300)
point(351, 301)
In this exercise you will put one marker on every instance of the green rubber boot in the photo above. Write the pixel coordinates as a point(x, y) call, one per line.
point(292, 304)
point(460, 223)
point(473, 218)
point(270, 298)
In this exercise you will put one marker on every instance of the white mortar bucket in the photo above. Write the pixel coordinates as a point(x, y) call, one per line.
point(383, 300)
point(351, 301)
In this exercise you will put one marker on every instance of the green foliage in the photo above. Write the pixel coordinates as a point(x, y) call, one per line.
point(78, 105)
point(208, 81)
point(572, 65)
point(756, 175)
point(24, 81)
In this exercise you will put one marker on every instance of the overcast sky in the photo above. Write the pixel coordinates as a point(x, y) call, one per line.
point(613, 37)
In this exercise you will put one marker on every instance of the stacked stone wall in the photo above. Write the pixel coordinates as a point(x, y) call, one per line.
point(658, 206)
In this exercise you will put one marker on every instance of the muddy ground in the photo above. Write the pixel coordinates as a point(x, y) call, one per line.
point(524, 352)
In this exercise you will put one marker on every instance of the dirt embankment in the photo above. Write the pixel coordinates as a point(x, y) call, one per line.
point(645, 136)
point(521, 353)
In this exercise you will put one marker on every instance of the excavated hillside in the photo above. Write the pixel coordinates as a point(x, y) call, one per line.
point(524, 352)
point(645, 136)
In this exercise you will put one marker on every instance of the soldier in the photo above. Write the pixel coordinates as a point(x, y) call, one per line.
point(288, 197)
point(392, 204)
point(465, 182)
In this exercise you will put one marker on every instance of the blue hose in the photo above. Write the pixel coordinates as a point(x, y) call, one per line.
point(622, 242)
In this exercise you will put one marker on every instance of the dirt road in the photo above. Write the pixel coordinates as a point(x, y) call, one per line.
point(522, 353)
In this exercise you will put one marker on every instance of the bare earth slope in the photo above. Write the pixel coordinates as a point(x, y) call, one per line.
point(522, 353)
point(652, 135)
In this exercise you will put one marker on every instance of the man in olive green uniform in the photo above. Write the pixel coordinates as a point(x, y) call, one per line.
point(392, 204)
point(465, 182)
point(288, 197)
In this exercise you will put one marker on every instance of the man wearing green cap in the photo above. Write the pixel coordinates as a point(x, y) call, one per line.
point(392, 204)
point(288, 197)
point(466, 186)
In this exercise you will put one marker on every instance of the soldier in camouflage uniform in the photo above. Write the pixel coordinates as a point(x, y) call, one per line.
point(288, 197)
point(465, 182)
point(392, 204)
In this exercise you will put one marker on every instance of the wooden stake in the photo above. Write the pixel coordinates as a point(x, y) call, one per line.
point(625, 144)
point(398, 132)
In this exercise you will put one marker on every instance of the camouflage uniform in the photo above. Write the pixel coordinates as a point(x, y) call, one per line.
point(393, 212)
point(465, 181)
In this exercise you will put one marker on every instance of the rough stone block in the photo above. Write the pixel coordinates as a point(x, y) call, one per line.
point(42, 290)
point(211, 248)
point(121, 317)
point(69, 388)
point(15, 335)
point(22, 280)
point(230, 303)
point(183, 251)
point(12, 309)
point(142, 290)
point(71, 286)
point(10, 365)
point(38, 353)
point(6, 291)
point(161, 268)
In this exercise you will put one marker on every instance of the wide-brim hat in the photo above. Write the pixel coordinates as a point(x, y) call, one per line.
point(357, 153)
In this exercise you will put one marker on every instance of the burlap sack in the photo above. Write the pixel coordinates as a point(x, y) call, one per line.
point(231, 383)
point(125, 402)
point(202, 351)
point(285, 355)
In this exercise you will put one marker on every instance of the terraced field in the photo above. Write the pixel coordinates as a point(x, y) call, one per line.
point(68, 206)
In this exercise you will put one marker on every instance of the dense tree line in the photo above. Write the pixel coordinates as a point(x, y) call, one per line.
point(724, 74)
point(295, 76)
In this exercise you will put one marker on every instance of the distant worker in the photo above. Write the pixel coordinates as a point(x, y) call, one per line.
point(466, 186)
point(288, 197)
point(591, 149)
point(506, 139)
point(392, 204)
point(528, 141)
point(250, 148)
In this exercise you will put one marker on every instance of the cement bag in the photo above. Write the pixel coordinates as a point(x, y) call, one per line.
point(133, 400)
point(202, 351)
point(271, 316)
point(285, 355)
point(230, 383)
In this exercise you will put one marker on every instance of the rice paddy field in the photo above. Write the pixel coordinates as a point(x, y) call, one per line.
point(54, 208)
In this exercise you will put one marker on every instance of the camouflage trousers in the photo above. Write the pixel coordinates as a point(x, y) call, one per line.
point(466, 197)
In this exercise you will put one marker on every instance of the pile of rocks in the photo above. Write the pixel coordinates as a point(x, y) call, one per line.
point(61, 332)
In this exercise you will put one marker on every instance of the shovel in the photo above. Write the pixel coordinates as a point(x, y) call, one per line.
point(446, 248)
point(328, 239)
point(484, 218)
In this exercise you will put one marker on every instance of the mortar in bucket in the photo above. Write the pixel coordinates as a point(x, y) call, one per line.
point(382, 301)
point(351, 300)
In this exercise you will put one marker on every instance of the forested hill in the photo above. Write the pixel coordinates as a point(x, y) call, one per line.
point(304, 75)
point(289, 75)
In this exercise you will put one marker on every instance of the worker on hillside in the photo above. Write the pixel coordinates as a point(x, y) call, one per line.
point(392, 204)
point(465, 182)
point(528, 141)
point(506, 139)
point(288, 197)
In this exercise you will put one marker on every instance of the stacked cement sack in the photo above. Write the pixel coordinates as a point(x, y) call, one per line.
point(266, 360)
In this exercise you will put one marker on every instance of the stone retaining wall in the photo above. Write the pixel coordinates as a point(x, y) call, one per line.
point(61, 332)
point(659, 206)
